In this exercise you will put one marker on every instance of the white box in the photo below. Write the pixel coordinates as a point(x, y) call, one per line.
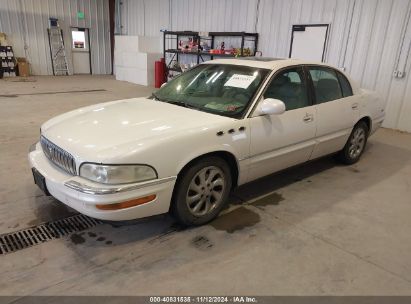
point(135, 75)
point(150, 44)
point(144, 44)
point(134, 58)
point(126, 43)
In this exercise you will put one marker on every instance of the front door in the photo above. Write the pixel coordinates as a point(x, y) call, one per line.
point(281, 141)
point(80, 49)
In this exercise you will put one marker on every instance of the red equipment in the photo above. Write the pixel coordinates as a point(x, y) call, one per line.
point(159, 73)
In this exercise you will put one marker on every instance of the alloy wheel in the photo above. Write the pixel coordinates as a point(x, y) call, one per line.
point(357, 143)
point(205, 191)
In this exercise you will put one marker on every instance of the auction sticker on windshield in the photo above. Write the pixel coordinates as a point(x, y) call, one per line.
point(240, 81)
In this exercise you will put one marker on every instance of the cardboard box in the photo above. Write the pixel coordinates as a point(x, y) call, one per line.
point(134, 58)
point(23, 67)
point(3, 39)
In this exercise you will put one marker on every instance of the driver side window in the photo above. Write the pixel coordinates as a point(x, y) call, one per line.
point(289, 86)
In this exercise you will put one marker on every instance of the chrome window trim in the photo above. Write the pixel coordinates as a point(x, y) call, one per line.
point(84, 188)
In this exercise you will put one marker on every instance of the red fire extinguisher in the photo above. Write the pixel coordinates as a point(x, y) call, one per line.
point(159, 73)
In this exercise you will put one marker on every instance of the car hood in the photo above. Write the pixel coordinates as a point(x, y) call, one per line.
point(93, 133)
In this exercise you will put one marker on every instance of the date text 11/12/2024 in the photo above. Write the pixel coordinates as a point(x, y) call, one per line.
point(204, 299)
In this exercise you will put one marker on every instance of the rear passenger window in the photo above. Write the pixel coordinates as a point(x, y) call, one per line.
point(326, 84)
point(289, 87)
point(345, 85)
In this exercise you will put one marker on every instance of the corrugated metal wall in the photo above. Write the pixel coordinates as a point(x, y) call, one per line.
point(370, 39)
point(26, 22)
point(367, 39)
point(145, 18)
point(213, 15)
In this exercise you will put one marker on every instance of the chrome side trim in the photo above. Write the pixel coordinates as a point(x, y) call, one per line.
point(72, 184)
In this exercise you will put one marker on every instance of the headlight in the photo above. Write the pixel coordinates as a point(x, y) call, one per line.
point(117, 174)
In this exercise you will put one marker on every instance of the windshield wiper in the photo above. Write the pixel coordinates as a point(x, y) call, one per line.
point(155, 96)
point(174, 102)
point(179, 103)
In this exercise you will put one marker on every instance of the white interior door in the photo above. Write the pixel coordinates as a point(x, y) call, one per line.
point(80, 49)
point(308, 42)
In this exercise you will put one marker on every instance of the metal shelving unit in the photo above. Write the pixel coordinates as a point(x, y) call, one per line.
point(172, 38)
point(7, 62)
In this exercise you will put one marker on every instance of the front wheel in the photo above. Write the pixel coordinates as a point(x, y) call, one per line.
point(355, 145)
point(202, 191)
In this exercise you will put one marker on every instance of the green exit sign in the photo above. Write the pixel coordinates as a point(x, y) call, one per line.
point(80, 15)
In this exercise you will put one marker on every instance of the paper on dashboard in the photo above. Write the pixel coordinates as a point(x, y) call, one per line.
point(240, 81)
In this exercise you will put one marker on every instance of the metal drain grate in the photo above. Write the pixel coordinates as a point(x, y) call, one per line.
point(14, 241)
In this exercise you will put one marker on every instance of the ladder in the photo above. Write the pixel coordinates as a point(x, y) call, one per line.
point(57, 49)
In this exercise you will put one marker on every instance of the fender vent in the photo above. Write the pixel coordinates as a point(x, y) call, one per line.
point(15, 241)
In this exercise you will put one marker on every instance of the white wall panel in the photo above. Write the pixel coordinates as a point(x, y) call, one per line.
point(366, 36)
point(144, 18)
point(148, 17)
point(213, 15)
point(11, 23)
point(26, 22)
point(392, 88)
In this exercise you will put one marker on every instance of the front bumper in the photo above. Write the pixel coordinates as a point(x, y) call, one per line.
point(83, 195)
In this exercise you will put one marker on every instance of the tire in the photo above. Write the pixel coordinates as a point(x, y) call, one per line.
point(355, 145)
point(201, 191)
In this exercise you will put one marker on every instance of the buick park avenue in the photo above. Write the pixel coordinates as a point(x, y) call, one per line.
point(219, 125)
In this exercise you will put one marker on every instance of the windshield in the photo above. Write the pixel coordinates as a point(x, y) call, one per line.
point(216, 88)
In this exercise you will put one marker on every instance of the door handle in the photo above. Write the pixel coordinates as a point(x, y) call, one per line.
point(354, 106)
point(308, 118)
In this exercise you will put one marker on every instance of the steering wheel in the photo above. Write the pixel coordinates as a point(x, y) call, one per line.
point(233, 93)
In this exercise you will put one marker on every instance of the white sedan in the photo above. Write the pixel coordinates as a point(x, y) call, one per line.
point(217, 126)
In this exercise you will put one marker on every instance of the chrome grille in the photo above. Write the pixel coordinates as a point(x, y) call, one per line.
point(58, 156)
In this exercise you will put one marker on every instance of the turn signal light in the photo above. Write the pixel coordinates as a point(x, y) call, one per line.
point(127, 204)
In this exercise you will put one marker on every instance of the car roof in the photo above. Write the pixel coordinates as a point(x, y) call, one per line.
point(263, 62)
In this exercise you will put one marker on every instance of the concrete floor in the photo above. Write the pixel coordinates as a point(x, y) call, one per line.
point(319, 229)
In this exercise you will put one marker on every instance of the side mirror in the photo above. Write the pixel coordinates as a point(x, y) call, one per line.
point(270, 106)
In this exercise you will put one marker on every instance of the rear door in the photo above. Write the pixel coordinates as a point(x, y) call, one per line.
point(336, 107)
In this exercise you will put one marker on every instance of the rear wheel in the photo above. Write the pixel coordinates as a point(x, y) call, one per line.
point(355, 145)
point(202, 191)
